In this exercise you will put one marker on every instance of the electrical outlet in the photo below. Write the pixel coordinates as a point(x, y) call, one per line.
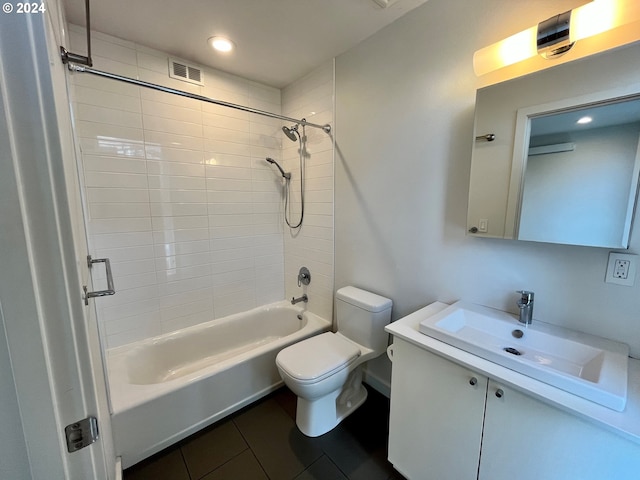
point(621, 269)
point(483, 225)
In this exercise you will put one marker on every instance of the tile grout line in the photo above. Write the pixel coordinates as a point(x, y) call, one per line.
point(222, 464)
point(249, 447)
point(184, 461)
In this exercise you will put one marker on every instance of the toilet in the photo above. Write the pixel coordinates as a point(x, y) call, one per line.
point(325, 371)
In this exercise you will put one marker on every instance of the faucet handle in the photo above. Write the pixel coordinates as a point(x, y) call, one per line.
point(526, 297)
point(304, 276)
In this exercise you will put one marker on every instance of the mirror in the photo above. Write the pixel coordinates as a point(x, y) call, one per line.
point(546, 178)
point(581, 174)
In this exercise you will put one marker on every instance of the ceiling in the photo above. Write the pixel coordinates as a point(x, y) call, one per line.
point(605, 114)
point(277, 41)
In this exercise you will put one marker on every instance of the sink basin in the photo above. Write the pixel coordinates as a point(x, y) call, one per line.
point(591, 367)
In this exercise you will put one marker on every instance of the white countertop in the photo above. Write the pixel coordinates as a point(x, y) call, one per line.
point(625, 423)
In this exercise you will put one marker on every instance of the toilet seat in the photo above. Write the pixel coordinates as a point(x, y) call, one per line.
point(317, 358)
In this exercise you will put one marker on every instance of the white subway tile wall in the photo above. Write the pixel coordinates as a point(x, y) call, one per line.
point(311, 97)
point(181, 200)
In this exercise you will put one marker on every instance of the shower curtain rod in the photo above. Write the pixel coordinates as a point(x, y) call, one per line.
point(82, 68)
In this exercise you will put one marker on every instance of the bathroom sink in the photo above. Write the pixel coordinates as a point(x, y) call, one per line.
point(591, 367)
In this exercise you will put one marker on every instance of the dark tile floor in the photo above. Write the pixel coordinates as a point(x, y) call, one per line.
point(262, 442)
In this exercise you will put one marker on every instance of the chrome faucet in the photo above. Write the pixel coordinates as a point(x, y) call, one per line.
point(525, 303)
point(303, 298)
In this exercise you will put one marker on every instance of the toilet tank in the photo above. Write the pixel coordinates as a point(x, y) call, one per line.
point(361, 316)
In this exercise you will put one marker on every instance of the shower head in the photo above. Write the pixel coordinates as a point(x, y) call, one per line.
point(284, 174)
point(291, 132)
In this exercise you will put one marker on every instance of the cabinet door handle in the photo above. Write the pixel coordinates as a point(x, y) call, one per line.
point(499, 393)
point(473, 381)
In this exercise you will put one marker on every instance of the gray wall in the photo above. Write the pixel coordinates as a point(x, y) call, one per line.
point(404, 122)
point(14, 462)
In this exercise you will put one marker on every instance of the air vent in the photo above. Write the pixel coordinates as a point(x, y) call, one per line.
point(185, 72)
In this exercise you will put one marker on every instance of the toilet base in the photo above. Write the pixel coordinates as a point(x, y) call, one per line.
point(317, 417)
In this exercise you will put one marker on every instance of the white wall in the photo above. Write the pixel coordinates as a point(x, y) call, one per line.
point(404, 122)
point(311, 245)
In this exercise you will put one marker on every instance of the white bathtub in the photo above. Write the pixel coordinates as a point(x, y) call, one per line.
point(168, 387)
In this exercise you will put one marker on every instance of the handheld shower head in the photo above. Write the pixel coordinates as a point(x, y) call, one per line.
point(291, 132)
point(284, 174)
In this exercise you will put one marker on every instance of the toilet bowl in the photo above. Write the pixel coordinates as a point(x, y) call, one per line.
point(325, 371)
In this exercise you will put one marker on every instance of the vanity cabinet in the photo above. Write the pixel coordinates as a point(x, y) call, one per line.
point(448, 422)
point(436, 416)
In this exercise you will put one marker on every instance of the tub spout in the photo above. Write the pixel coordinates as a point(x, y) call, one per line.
point(303, 298)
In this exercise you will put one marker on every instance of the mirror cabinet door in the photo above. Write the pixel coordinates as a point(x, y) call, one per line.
point(491, 165)
point(501, 181)
point(580, 175)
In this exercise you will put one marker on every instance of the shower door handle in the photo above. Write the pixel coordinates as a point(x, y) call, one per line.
point(99, 293)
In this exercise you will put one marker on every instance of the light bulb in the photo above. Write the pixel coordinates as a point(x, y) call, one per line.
point(221, 44)
point(511, 50)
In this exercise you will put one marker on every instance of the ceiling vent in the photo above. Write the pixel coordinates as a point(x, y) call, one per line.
point(185, 72)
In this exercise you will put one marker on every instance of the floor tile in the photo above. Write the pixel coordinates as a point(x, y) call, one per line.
point(353, 459)
point(262, 442)
point(207, 450)
point(358, 446)
point(287, 400)
point(242, 467)
point(322, 469)
point(163, 466)
point(282, 450)
point(396, 476)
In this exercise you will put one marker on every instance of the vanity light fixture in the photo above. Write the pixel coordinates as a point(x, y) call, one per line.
point(556, 35)
point(584, 120)
point(221, 44)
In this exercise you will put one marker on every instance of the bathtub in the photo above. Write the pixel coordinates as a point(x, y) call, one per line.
point(165, 388)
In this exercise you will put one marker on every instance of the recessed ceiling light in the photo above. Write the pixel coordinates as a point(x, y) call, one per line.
point(584, 120)
point(221, 44)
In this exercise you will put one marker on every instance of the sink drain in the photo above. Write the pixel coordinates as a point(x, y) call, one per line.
point(512, 351)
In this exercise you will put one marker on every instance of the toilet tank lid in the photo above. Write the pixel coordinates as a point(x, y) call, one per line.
point(363, 299)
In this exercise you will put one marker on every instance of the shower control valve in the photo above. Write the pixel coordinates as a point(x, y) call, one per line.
point(304, 276)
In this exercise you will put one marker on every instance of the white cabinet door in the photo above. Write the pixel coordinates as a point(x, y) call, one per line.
point(527, 439)
point(436, 416)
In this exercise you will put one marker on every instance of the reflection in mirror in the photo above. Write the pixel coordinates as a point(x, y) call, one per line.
point(581, 175)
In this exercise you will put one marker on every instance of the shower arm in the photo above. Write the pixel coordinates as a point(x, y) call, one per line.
point(82, 68)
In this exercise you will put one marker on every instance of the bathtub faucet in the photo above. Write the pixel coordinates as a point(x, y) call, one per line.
point(303, 298)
